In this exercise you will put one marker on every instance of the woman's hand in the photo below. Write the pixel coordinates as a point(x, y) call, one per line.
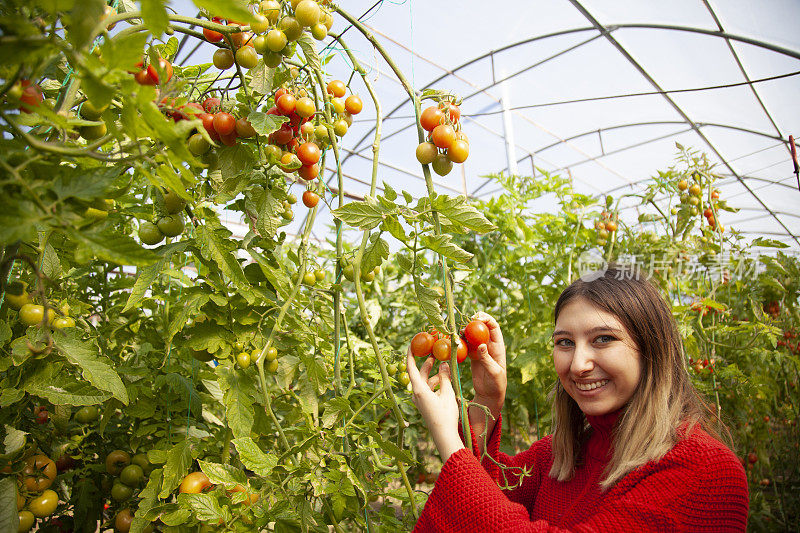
point(489, 369)
point(439, 408)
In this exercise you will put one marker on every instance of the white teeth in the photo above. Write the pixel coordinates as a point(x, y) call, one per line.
point(590, 386)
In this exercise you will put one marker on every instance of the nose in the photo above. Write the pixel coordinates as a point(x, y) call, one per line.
point(582, 359)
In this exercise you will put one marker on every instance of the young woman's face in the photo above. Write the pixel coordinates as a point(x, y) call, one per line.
point(595, 358)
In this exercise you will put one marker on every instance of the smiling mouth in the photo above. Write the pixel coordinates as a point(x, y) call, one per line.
point(591, 386)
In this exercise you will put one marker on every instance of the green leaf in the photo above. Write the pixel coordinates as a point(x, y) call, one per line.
point(309, 50)
point(253, 458)
point(227, 9)
point(45, 383)
point(238, 409)
point(363, 215)
point(216, 246)
point(236, 160)
point(13, 442)
point(10, 397)
point(123, 52)
point(335, 409)
point(149, 274)
point(429, 303)
point(9, 518)
point(93, 368)
point(265, 124)
point(388, 192)
point(376, 251)
point(220, 474)
point(204, 506)
point(82, 20)
point(267, 209)
point(179, 458)
point(113, 247)
point(392, 224)
point(769, 243)
point(459, 212)
point(261, 78)
point(443, 244)
point(191, 302)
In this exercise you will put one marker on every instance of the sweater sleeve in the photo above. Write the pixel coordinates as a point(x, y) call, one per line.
point(698, 493)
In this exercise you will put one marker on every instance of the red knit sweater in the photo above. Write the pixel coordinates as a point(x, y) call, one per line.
point(697, 486)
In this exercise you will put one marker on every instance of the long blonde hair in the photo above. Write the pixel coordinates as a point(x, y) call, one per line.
point(665, 404)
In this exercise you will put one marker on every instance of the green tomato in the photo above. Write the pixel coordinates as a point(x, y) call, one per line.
point(142, 460)
point(90, 112)
point(291, 28)
point(349, 273)
point(272, 367)
point(26, 521)
point(149, 233)
point(44, 505)
point(243, 359)
point(319, 274)
point(132, 475)
point(276, 40)
point(171, 225)
point(64, 322)
point(173, 203)
point(404, 379)
point(121, 492)
point(94, 132)
point(87, 414)
point(309, 279)
point(32, 314)
point(198, 145)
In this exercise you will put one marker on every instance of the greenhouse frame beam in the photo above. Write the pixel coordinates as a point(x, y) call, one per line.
point(675, 106)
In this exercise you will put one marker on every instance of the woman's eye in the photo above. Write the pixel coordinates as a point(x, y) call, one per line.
point(605, 338)
point(563, 342)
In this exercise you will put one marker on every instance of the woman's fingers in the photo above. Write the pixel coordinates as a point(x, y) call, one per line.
point(444, 378)
point(418, 377)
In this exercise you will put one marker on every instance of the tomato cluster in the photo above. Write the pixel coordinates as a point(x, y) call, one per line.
point(446, 142)
point(168, 220)
point(772, 308)
point(35, 498)
point(606, 225)
point(439, 346)
point(691, 199)
point(275, 29)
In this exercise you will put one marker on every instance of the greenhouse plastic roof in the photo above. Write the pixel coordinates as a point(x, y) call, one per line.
point(596, 90)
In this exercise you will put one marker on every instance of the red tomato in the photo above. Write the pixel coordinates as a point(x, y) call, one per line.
point(454, 112)
point(31, 97)
point(282, 135)
point(229, 139)
point(143, 78)
point(212, 36)
point(310, 199)
point(244, 128)
point(164, 66)
point(421, 344)
point(308, 153)
point(443, 135)
point(307, 172)
point(476, 333)
point(431, 118)
point(353, 104)
point(212, 105)
point(337, 88)
point(286, 104)
point(224, 123)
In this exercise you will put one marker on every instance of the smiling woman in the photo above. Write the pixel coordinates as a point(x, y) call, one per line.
point(634, 446)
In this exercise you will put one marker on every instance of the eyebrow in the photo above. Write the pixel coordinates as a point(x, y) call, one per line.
point(593, 330)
